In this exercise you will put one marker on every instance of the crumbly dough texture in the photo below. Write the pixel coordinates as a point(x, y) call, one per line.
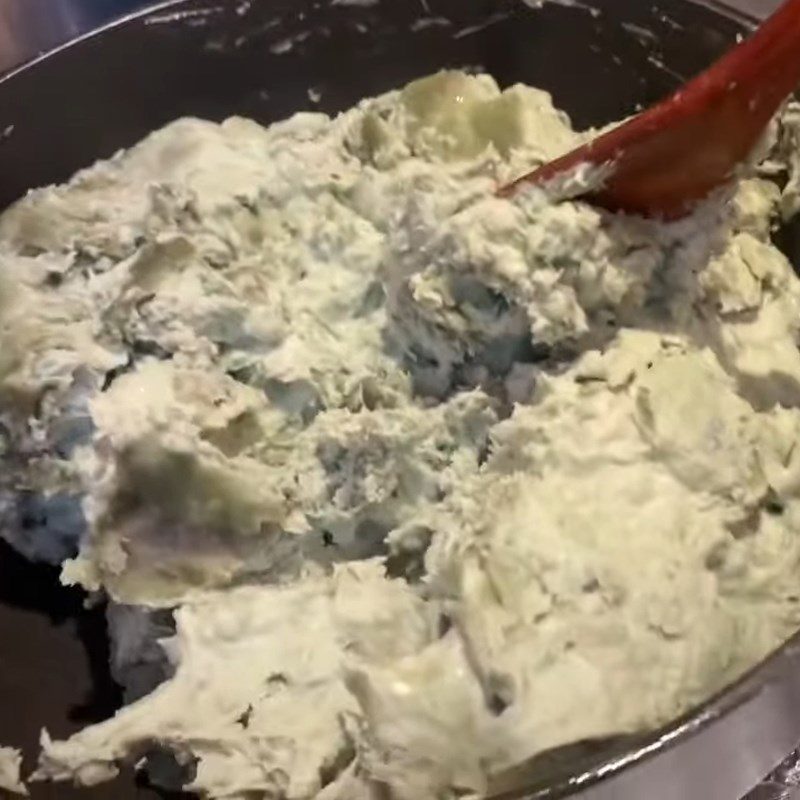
point(392, 484)
point(10, 767)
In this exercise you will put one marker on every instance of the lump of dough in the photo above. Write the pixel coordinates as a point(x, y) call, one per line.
point(259, 699)
point(10, 766)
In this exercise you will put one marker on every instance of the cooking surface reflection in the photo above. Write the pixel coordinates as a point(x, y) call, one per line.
point(31, 27)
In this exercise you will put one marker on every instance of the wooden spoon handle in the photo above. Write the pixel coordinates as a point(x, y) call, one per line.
point(675, 153)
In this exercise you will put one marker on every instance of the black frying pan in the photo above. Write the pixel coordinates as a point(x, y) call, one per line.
point(215, 58)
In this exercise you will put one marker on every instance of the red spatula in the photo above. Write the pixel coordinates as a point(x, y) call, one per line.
point(671, 156)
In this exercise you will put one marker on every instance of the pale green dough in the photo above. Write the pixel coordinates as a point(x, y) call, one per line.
point(431, 481)
point(10, 765)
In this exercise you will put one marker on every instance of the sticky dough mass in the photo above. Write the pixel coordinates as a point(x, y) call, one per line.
point(392, 484)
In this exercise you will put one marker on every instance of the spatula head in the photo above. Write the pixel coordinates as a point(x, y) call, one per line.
point(674, 154)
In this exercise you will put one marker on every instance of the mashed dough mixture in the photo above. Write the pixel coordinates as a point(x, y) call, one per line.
point(392, 484)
